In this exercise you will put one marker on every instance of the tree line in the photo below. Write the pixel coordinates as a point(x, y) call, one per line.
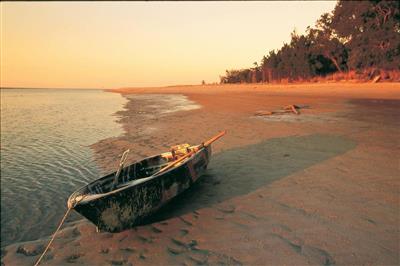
point(361, 38)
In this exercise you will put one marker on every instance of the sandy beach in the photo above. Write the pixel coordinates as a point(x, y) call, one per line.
point(321, 187)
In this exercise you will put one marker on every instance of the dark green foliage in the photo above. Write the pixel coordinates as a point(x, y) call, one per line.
point(237, 76)
point(357, 35)
point(371, 32)
point(324, 42)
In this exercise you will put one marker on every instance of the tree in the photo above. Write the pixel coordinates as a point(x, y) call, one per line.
point(357, 35)
point(236, 76)
point(371, 32)
point(325, 42)
point(300, 60)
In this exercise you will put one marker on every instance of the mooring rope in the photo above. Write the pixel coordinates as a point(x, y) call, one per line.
point(58, 228)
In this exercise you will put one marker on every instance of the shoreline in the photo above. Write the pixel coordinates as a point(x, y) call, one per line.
point(45, 154)
point(284, 191)
point(334, 89)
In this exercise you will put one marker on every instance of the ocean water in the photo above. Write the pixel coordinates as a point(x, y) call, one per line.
point(45, 154)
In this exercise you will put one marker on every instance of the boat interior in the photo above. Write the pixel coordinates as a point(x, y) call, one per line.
point(138, 170)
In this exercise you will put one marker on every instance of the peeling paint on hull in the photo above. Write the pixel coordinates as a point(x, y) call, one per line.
point(127, 207)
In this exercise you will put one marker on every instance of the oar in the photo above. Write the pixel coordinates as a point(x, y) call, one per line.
point(121, 165)
point(208, 142)
point(204, 144)
point(175, 162)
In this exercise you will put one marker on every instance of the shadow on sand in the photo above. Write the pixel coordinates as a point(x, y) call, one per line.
point(382, 112)
point(242, 170)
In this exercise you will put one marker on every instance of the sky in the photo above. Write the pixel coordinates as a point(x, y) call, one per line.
point(136, 44)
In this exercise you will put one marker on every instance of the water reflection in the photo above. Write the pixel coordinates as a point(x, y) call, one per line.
point(44, 153)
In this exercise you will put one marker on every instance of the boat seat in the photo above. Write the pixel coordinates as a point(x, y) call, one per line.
point(155, 167)
point(148, 170)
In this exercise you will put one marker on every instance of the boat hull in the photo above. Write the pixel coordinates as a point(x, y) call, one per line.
point(127, 207)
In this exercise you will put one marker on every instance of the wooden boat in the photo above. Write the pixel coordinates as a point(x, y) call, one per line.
point(122, 199)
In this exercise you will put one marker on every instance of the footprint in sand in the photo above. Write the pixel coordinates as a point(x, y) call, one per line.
point(104, 251)
point(192, 254)
point(155, 229)
point(29, 250)
point(184, 232)
point(185, 221)
point(74, 257)
point(144, 239)
point(142, 256)
point(227, 209)
point(119, 262)
point(127, 250)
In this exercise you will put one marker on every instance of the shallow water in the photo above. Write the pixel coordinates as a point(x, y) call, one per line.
point(45, 155)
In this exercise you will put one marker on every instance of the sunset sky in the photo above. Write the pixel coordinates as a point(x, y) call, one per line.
point(121, 44)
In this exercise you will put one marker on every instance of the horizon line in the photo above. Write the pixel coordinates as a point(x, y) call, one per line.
point(104, 88)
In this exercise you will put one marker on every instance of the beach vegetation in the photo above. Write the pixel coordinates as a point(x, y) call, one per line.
point(357, 40)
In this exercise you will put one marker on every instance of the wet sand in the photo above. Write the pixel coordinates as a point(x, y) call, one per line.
point(321, 187)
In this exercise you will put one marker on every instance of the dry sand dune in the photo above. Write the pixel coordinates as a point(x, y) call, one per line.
point(321, 187)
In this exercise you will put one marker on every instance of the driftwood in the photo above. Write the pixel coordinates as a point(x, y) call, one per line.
point(376, 79)
point(261, 113)
point(285, 110)
point(292, 108)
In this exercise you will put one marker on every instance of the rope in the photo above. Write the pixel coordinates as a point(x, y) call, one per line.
point(58, 228)
point(53, 237)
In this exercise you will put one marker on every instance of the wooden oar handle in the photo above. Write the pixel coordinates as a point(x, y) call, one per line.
point(204, 144)
point(175, 162)
point(208, 142)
